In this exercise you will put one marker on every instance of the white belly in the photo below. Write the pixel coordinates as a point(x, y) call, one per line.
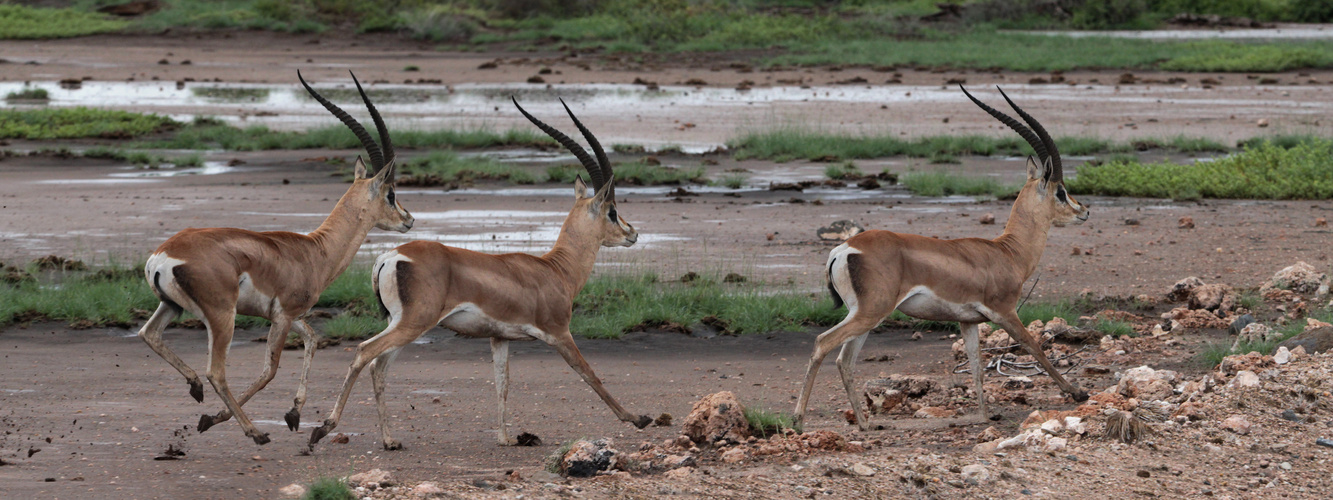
point(924, 304)
point(469, 320)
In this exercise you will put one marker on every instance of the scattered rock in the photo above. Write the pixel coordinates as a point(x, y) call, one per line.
point(934, 412)
point(976, 474)
point(679, 474)
point(1299, 277)
point(1255, 332)
point(735, 455)
point(1217, 298)
point(1146, 383)
point(881, 399)
point(717, 416)
point(863, 470)
point(1181, 290)
point(1282, 356)
point(1252, 362)
point(1243, 379)
point(292, 491)
point(839, 231)
point(1237, 424)
point(528, 439)
point(663, 420)
point(1239, 324)
point(426, 489)
point(586, 458)
point(377, 477)
point(990, 434)
point(987, 219)
point(1186, 223)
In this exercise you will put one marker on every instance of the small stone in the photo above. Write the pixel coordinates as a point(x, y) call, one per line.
point(976, 474)
point(1143, 473)
point(679, 474)
point(1282, 356)
point(1262, 122)
point(1285, 465)
point(934, 412)
point(1186, 223)
point(427, 488)
point(863, 470)
point(292, 491)
point(1324, 442)
point(735, 455)
point(1245, 378)
point(376, 477)
point(1237, 424)
point(987, 219)
point(918, 335)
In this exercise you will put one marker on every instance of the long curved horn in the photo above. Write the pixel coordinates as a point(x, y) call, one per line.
point(376, 155)
point(1059, 172)
point(602, 161)
point(594, 171)
point(379, 122)
point(1022, 130)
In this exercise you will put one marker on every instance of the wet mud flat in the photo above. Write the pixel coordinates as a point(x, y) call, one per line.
point(1129, 246)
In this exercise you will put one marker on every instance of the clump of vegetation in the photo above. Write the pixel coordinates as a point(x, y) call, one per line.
point(1262, 171)
point(844, 170)
point(445, 166)
point(210, 133)
point(80, 122)
point(1114, 328)
point(329, 488)
point(766, 423)
point(946, 184)
point(22, 22)
point(643, 174)
point(351, 326)
point(732, 181)
point(553, 461)
point(29, 94)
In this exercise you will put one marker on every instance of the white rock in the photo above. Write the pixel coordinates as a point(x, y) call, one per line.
point(1056, 444)
point(1076, 425)
point(1031, 437)
point(292, 490)
point(426, 489)
point(1298, 352)
point(976, 474)
point(1052, 426)
point(1282, 356)
point(1244, 378)
point(861, 469)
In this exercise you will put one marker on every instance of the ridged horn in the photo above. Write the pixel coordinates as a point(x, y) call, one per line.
point(1058, 174)
point(376, 155)
point(1028, 135)
point(594, 171)
point(385, 142)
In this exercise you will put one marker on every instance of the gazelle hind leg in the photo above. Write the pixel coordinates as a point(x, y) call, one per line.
point(1018, 332)
point(394, 337)
point(846, 367)
point(379, 372)
point(151, 333)
point(220, 330)
point(293, 416)
point(972, 343)
point(277, 339)
point(563, 342)
point(853, 325)
point(500, 363)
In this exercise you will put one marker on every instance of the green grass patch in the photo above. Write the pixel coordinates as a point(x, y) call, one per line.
point(349, 326)
point(329, 488)
point(765, 423)
point(610, 306)
point(76, 123)
point(1264, 170)
point(29, 94)
point(642, 174)
point(1046, 311)
point(731, 181)
point(946, 184)
point(449, 166)
point(1247, 57)
point(844, 170)
point(1114, 328)
point(208, 133)
point(22, 22)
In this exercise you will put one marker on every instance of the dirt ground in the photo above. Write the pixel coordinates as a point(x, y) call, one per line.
point(100, 406)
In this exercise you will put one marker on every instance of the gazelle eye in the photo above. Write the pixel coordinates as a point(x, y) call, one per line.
point(612, 215)
point(391, 198)
point(1060, 193)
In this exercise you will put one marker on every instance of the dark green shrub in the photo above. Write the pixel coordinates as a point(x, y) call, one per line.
point(1108, 14)
point(1312, 11)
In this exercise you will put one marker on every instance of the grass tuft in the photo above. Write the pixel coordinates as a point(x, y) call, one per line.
point(22, 22)
point(29, 94)
point(80, 122)
point(766, 423)
point(946, 184)
point(1264, 170)
point(329, 488)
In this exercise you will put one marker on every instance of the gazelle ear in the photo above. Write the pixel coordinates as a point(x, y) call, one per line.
point(607, 192)
point(386, 174)
point(360, 168)
point(580, 188)
point(1034, 170)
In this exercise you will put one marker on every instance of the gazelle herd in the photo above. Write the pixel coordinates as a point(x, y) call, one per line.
point(217, 273)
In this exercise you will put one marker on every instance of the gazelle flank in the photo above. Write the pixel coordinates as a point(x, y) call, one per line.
point(507, 297)
point(968, 280)
point(217, 273)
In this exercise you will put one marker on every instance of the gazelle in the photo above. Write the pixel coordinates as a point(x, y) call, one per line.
point(217, 273)
point(507, 297)
point(968, 280)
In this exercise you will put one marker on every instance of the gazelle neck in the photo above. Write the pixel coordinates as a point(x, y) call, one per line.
point(574, 253)
point(340, 236)
point(1025, 233)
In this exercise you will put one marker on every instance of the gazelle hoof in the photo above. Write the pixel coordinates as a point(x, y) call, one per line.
point(643, 421)
point(205, 422)
point(197, 391)
point(320, 432)
point(293, 419)
point(393, 445)
point(261, 439)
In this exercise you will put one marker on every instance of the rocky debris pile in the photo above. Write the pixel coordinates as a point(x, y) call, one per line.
point(839, 230)
point(1300, 277)
point(1207, 306)
point(588, 458)
point(883, 395)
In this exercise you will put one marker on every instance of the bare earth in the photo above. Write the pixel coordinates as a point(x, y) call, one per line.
point(86, 412)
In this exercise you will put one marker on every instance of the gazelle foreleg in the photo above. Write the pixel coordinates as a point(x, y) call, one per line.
point(379, 372)
point(293, 416)
point(1014, 326)
point(972, 343)
point(220, 331)
point(151, 333)
point(277, 339)
point(563, 342)
point(500, 363)
point(846, 367)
